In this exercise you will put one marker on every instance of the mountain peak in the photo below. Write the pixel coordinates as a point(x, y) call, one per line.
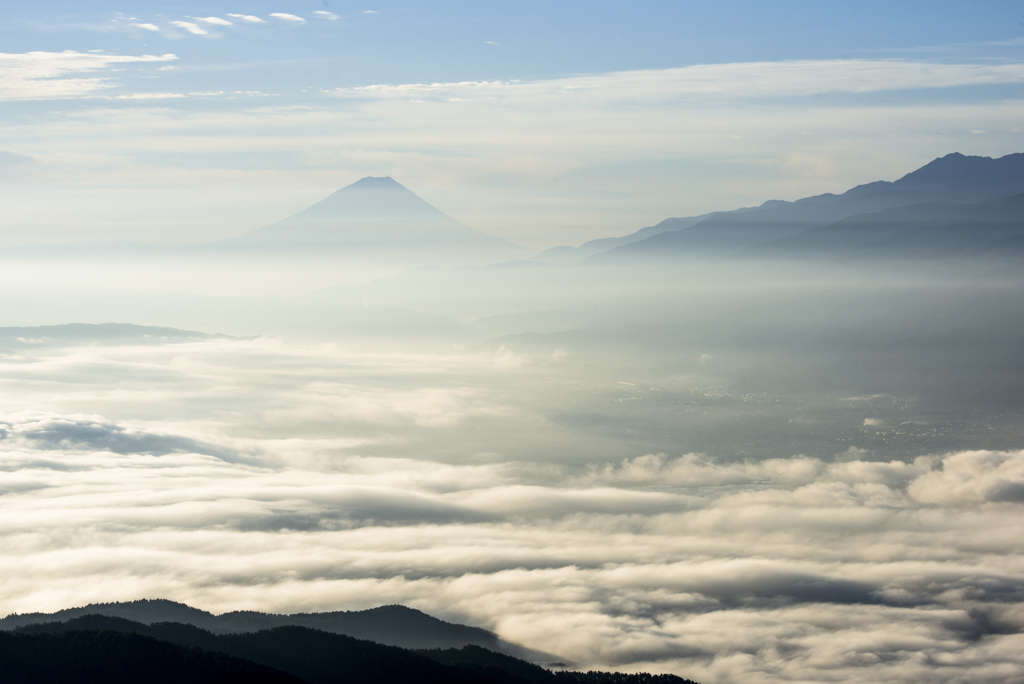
point(379, 215)
point(960, 168)
point(376, 183)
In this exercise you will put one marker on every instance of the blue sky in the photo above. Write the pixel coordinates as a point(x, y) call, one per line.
point(555, 123)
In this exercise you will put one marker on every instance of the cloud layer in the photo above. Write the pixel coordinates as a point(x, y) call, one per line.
point(256, 474)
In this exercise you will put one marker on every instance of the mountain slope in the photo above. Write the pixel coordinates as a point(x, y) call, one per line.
point(314, 656)
point(556, 256)
point(953, 178)
point(991, 230)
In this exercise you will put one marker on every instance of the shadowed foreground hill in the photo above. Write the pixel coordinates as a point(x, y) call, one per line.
point(313, 656)
point(108, 657)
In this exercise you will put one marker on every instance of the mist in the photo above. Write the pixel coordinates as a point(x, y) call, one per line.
point(722, 466)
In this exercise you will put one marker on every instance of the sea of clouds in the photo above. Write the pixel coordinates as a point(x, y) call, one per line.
point(257, 474)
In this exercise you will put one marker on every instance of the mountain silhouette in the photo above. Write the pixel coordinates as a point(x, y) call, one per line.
point(954, 178)
point(990, 230)
point(375, 215)
point(393, 625)
point(96, 645)
point(107, 656)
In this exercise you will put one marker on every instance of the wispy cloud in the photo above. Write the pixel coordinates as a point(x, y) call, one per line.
point(248, 18)
point(148, 27)
point(742, 80)
point(216, 21)
point(287, 17)
point(326, 15)
point(45, 75)
point(370, 12)
point(190, 27)
point(149, 96)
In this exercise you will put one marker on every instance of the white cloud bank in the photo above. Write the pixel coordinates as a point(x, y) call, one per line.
point(49, 75)
point(791, 569)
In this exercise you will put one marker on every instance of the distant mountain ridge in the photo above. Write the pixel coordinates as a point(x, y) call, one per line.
point(990, 230)
point(97, 333)
point(954, 178)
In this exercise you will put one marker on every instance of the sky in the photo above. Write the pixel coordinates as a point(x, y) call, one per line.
point(540, 123)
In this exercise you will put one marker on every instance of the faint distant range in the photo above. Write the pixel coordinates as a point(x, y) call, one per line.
point(78, 334)
point(951, 180)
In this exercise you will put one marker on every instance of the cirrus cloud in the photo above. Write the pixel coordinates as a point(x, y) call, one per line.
point(51, 75)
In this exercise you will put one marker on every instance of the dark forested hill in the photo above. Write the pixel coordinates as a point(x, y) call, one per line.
point(100, 645)
point(112, 657)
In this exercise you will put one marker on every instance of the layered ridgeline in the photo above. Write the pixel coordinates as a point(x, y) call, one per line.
point(992, 230)
point(393, 625)
point(376, 218)
point(100, 648)
point(949, 181)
